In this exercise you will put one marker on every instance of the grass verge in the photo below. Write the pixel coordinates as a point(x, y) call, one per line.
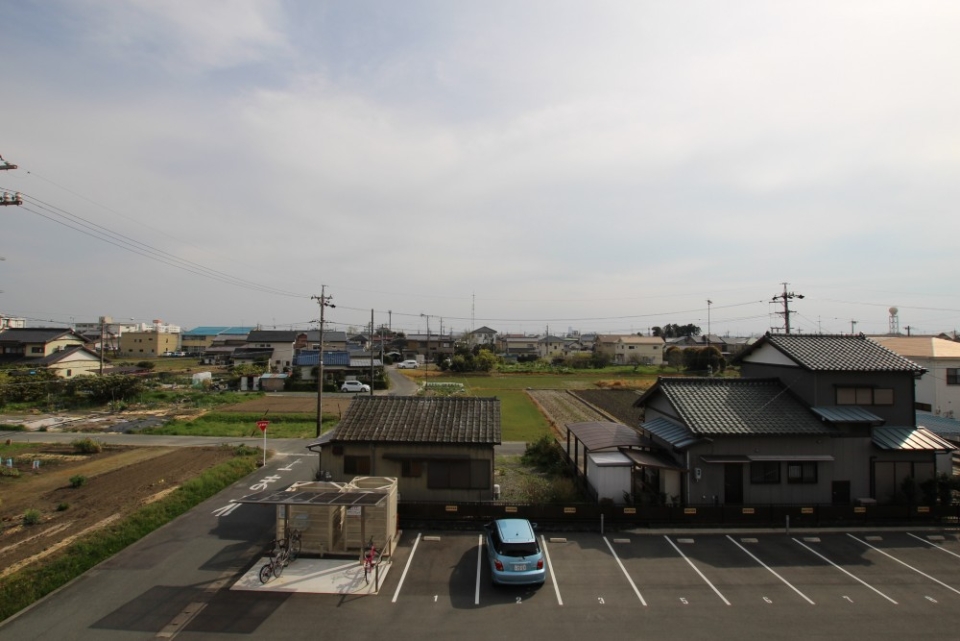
point(22, 588)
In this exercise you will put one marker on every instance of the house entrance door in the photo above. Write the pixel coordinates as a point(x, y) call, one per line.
point(840, 492)
point(733, 483)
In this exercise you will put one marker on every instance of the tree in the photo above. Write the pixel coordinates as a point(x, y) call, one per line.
point(676, 331)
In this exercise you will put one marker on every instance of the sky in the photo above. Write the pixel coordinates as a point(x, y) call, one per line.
point(526, 166)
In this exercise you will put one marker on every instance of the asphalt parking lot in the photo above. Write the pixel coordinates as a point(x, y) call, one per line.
point(644, 584)
point(840, 570)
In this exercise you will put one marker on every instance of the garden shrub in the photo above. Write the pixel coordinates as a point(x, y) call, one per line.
point(77, 480)
point(31, 517)
point(87, 446)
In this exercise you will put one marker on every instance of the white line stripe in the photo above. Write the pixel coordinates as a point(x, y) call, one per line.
point(934, 545)
point(854, 577)
point(696, 569)
point(632, 584)
point(772, 571)
point(405, 568)
point(476, 598)
point(553, 577)
point(906, 565)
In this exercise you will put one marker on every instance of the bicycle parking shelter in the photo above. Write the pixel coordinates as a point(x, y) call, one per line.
point(336, 518)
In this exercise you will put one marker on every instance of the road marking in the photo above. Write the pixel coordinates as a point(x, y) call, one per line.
point(625, 573)
point(873, 538)
point(405, 568)
point(939, 547)
point(852, 576)
point(769, 600)
point(696, 569)
point(812, 539)
point(264, 483)
point(685, 541)
point(289, 467)
point(906, 565)
point(476, 598)
point(226, 509)
point(557, 539)
point(771, 570)
point(621, 540)
point(746, 540)
point(553, 577)
point(431, 538)
point(931, 599)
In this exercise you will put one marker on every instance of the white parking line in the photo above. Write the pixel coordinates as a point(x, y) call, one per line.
point(906, 565)
point(696, 569)
point(788, 584)
point(941, 548)
point(553, 577)
point(405, 568)
point(852, 576)
point(476, 598)
point(624, 570)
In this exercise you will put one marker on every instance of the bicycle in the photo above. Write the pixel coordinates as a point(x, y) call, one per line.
point(283, 553)
point(369, 560)
point(279, 558)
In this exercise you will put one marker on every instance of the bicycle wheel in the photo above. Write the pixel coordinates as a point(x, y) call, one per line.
point(366, 571)
point(279, 565)
point(265, 573)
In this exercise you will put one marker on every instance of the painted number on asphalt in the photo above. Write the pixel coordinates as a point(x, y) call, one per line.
point(931, 599)
point(767, 599)
point(684, 601)
point(519, 600)
point(848, 599)
point(600, 600)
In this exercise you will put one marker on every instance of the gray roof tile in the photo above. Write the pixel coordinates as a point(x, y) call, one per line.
point(839, 353)
point(415, 419)
point(719, 406)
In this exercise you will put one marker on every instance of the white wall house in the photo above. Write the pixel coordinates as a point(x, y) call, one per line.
point(938, 390)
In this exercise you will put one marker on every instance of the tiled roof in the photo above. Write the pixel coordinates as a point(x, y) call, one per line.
point(415, 419)
point(670, 432)
point(838, 353)
point(34, 334)
point(714, 406)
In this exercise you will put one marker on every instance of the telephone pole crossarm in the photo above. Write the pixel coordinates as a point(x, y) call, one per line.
point(786, 297)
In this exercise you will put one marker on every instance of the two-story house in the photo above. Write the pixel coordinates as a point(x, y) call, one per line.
point(814, 419)
point(483, 336)
point(630, 349)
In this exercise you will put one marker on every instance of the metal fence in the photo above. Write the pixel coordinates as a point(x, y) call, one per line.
point(589, 515)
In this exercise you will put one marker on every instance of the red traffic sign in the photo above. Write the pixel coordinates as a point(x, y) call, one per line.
point(263, 425)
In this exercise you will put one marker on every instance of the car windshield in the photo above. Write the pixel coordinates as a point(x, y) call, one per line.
point(518, 549)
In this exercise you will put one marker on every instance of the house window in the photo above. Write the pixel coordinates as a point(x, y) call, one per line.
point(864, 396)
point(36, 350)
point(802, 472)
point(765, 472)
point(411, 469)
point(356, 464)
point(953, 376)
point(458, 475)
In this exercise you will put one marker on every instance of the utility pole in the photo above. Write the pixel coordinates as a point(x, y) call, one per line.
point(324, 302)
point(786, 297)
point(372, 371)
point(709, 303)
point(853, 327)
point(426, 358)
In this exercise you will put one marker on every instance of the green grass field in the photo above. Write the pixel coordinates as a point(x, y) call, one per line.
point(235, 424)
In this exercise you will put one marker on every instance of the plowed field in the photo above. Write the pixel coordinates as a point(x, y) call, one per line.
point(118, 481)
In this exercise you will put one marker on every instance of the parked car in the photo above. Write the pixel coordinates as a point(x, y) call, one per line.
point(408, 364)
point(354, 386)
point(513, 552)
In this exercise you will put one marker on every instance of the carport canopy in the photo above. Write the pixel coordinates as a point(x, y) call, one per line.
point(601, 435)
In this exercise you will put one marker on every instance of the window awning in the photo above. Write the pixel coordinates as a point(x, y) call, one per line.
point(847, 414)
point(724, 458)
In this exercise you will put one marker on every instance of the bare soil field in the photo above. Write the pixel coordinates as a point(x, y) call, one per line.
point(290, 404)
point(118, 481)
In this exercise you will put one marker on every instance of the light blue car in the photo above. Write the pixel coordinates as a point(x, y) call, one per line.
point(513, 552)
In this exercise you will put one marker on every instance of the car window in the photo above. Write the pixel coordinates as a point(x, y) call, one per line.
point(519, 549)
